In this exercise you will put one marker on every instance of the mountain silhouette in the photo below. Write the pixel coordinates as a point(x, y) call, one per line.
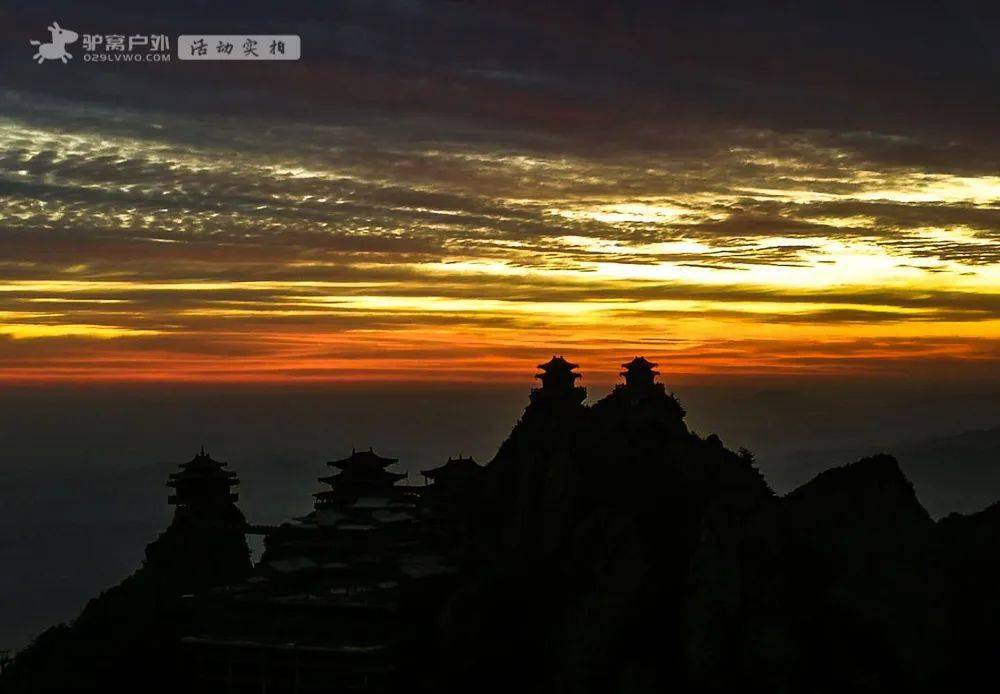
point(955, 473)
point(605, 547)
point(131, 632)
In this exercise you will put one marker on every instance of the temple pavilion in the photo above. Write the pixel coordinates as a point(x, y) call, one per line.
point(202, 482)
point(452, 495)
point(639, 373)
point(643, 396)
point(558, 378)
point(205, 543)
point(323, 607)
point(453, 474)
point(362, 474)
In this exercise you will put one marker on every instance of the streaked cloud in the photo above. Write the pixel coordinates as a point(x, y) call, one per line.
point(268, 249)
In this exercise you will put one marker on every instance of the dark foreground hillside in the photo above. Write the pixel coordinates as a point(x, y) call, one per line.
point(605, 548)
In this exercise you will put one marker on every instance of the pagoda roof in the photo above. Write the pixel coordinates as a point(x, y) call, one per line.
point(458, 465)
point(202, 460)
point(639, 373)
point(557, 371)
point(558, 364)
point(363, 459)
point(202, 467)
point(639, 363)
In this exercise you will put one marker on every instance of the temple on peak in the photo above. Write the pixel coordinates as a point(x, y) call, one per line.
point(457, 472)
point(202, 482)
point(361, 474)
point(558, 373)
point(205, 544)
point(639, 372)
point(558, 378)
point(452, 497)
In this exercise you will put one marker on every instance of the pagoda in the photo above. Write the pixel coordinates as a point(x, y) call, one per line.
point(363, 474)
point(558, 378)
point(202, 483)
point(457, 473)
point(205, 543)
point(324, 607)
point(639, 373)
point(454, 493)
point(641, 396)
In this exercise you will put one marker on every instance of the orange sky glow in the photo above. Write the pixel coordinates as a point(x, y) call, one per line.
point(138, 249)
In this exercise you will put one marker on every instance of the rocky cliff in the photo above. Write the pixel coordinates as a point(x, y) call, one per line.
point(608, 548)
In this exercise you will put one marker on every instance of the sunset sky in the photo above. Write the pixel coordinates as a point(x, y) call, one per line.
point(442, 191)
point(792, 207)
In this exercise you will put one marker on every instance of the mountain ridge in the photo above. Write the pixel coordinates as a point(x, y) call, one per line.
point(593, 527)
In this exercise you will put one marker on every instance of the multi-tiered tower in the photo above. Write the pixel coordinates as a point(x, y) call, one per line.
point(202, 484)
point(324, 606)
point(640, 373)
point(205, 544)
point(362, 474)
point(558, 378)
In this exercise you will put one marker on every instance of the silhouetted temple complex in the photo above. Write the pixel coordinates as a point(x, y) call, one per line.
point(545, 569)
point(324, 603)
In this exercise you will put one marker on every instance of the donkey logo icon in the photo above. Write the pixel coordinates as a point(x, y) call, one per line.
point(56, 48)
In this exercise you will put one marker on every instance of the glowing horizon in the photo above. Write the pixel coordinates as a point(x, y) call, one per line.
point(182, 253)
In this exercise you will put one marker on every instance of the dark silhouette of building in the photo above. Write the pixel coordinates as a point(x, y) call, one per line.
point(558, 378)
point(205, 544)
point(325, 608)
point(545, 570)
point(455, 476)
point(449, 504)
point(361, 474)
point(640, 373)
point(202, 483)
point(129, 636)
point(642, 406)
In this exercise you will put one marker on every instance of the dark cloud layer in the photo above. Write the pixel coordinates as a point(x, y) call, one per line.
point(438, 175)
